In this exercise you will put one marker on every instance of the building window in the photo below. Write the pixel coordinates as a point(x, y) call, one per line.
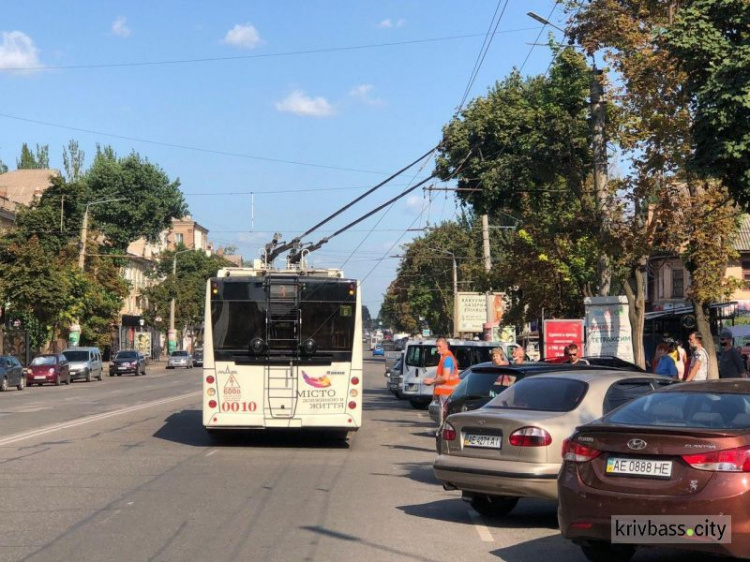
point(746, 270)
point(178, 239)
point(678, 283)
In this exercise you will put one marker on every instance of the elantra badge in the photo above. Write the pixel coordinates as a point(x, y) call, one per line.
point(636, 444)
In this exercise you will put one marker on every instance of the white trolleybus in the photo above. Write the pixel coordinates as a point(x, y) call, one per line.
point(282, 349)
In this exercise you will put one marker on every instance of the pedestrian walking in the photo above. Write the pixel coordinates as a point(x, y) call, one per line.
point(731, 365)
point(698, 370)
point(665, 364)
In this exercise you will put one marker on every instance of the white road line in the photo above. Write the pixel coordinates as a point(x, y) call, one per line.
point(211, 452)
point(88, 419)
point(484, 532)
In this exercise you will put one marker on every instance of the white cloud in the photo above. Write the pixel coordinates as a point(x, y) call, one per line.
point(120, 28)
point(17, 50)
point(300, 104)
point(389, 23)
point(363, 94)
point(414, 203)
point(244, 36)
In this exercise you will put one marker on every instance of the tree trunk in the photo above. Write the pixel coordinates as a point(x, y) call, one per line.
point(703, 325)
point(635, 291)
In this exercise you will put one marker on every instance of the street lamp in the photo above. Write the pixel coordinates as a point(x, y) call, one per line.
point(171, 334)
point(85, 228)
point(543, 21)
point(455, 283)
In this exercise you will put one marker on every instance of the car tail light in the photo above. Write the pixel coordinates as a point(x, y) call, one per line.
point(574, 451)
point(355, 380)
point(210, 379)
point(448, 432)
point(530, 437)
point(729, 460)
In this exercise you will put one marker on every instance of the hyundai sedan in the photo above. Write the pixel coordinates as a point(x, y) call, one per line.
point(511, 448)
point(682, 451)
point(180, 358)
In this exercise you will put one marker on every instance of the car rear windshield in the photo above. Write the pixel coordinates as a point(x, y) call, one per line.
point(481, 383)
point(544, 394)
point(686, 409)
point(126, 355)
point(44, 360)
point(76, 355)
point(180, 354)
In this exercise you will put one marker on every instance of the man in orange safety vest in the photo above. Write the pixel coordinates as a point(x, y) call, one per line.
point(446, 376)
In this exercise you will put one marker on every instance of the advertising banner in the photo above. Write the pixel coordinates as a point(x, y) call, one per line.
point(608, 329)
point(470, 313)
point(560, 333)
point(143, 343)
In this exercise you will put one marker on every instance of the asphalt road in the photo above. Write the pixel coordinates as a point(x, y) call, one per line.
point(123, 470)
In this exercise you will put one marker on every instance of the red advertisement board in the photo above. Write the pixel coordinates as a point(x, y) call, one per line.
point(559, 333)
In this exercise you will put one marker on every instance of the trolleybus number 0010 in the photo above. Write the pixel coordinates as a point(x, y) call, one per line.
point(238, 406)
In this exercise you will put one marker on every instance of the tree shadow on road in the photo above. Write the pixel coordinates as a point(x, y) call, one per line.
point(186, 428)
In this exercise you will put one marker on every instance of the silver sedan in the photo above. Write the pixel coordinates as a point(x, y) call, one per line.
point(180, 358)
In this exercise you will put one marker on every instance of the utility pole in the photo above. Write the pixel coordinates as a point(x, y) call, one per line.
point(488, 268)
point(84, 235)
point(599, 153)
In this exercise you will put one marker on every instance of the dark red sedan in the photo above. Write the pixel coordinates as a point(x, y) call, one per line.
point(48, 368)
point(668, 469)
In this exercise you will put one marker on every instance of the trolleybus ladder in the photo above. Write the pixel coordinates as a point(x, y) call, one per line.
point(282, 333)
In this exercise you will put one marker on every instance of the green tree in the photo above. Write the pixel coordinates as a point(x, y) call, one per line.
point(3, 167)
point(31, 161)
point(148, 199)
point(366, 318)
point(710, 40)
point(73, 159)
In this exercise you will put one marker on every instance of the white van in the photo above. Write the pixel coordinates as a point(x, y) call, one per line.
point(421, 359)
point(85, 363)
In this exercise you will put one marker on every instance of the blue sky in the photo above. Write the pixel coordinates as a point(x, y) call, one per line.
point(356, 110)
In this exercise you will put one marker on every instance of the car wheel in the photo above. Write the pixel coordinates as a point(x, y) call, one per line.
point(494, 506)
point(602, 551)
point(21, 384)
point(57, 379)
point(419, 404)
point(119, 374)
point(67, 381)
point(88, 376)
point(100, 375)
point(4, 384)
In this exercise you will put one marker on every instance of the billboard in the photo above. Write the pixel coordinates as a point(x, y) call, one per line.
point(608, 330)
point(560, 333)
point(470, 312)
point(143, 343)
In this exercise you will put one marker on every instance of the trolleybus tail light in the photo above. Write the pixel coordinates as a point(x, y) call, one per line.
point(352, 405)
point(214, 288)
point(352, 290)
point(210, 379)
point(257, 346)
point(355, 380)
point(212, 403)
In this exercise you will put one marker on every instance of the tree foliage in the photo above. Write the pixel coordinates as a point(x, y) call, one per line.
point(33, 161)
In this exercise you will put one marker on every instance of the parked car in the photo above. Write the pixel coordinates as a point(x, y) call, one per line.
point(85, 363)
point(198, 357)
point(511, 448)
point(128, 361)
point(48, 368)
point(481, 383)
point(11, 373)
point(378, 350)
point(683, 450)
point(180, 358)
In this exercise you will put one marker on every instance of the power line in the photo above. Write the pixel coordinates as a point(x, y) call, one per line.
point(186, 147)
point(255, 56)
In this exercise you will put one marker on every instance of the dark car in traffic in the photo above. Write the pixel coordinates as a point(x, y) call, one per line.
point(609, 361)
point(198, 357)
point(52, 368)
point(128, 361)
point(680, 451)
point(11, 373)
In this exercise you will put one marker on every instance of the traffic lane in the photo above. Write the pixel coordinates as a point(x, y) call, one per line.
point(36, 407)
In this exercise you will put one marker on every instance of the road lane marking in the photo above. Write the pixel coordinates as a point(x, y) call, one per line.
point(211, 452)
point(484, 532)
point(89, 419)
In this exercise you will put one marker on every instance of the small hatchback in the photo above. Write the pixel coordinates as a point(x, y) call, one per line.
point(180, 358)
point(49, 368)
point(128, 361)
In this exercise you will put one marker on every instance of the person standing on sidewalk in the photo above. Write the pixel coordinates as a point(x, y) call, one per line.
point(731, 365)
point(446, 375)
point(698, 370)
